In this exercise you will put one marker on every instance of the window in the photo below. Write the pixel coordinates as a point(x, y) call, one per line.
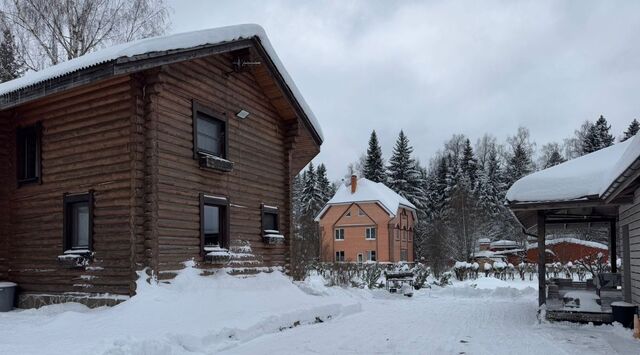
point(403, 255)
point(370, 233)
point(213, 222)
point(339, 233)
point(360, 258)
point(209, 133)
point(360, 212)
point(397, 233)
point(78, 222)
point(404, 234)
point(270, 219)
point(371, 255)
point(28, 154)
point(340, 255)
point(348, 214)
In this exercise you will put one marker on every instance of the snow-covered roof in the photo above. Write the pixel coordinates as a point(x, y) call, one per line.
point(587, 176)
point(503, 243)
point(369, 191)
point(484, 240)
point(213, 36)
point(586, 243)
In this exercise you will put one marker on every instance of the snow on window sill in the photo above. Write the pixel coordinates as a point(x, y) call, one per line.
point(216, 255)
point(215, 163)
point(78, 258)
point(273, 239)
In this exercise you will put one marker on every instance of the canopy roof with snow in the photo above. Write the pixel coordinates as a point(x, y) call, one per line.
point(137, 55)
point(368, 191)
point(594, 176)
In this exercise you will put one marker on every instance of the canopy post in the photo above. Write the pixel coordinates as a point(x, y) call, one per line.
point(542, 287)
point(613, 252)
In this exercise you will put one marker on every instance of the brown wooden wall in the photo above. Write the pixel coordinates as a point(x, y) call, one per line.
point(5, 139)
point(256, 147)
point(88, 139)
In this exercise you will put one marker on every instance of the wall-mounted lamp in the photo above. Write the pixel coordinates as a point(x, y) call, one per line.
point(242, 114)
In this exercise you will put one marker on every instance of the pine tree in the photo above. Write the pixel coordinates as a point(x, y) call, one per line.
point(631, 131)
point(374, 165)
point(597, 137)
point(311, 197)
point(468, 163)
point(325, 188)
point(519, 164)
point(10, 67)
point(403, 172)
point(551, 155)
point(603, 128)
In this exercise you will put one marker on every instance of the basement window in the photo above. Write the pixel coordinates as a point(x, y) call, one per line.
point(78, 223)
point(28, 154)
point(214, 227)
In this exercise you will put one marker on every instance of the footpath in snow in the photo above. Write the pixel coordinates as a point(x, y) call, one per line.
point(270, 314)
point(194, 314)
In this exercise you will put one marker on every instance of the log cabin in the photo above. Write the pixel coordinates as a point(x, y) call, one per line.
point(366, 221)
point(600, 189)
point(145, 155)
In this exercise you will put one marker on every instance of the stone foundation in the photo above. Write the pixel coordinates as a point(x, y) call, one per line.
point(37, 300)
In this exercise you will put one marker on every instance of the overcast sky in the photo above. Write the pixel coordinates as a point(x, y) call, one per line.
point(439, 68)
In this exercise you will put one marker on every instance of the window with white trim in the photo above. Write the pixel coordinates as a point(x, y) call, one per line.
point(370, 233)
point(371, 255)
point(340, 256)
point(360, 212)
point(339, 234)
point(360, 257)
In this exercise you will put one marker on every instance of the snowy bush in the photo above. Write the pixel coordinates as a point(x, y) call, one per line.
point(421, 272)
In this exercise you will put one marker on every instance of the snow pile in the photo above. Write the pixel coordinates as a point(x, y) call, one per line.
point(178, 41)
point(192, 314)
point(586, 243)
point(586, 176)
point(369, 191)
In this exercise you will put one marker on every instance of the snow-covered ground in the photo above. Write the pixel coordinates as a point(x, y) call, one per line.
point(268, 314)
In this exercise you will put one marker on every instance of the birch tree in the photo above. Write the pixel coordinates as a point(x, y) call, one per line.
point(49, 32)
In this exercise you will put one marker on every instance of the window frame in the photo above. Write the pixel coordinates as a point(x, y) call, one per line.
point(342, 254)
point(68, 200)
point(207, 200)
point(361, 212)
point(20, 133)
point(367, 233)
point(360, 258)
point(198, 108)
point(269, 210)
point(406, 254)
point(372, 255)
point(335, 234)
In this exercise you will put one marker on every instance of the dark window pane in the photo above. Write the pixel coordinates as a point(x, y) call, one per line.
point(270, 221)
point(27, 153)
point(80, 225)
point(210, 135)
point(212, 224)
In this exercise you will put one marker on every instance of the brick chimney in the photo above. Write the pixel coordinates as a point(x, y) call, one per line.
point(354, 183)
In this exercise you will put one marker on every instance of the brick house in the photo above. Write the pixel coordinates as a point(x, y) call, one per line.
point(366, 221)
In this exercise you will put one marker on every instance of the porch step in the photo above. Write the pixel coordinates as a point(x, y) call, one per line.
point(243, 262)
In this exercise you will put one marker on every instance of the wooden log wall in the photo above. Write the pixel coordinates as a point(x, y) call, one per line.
point(257, 147)
point(89, 137)
point(5, 139)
